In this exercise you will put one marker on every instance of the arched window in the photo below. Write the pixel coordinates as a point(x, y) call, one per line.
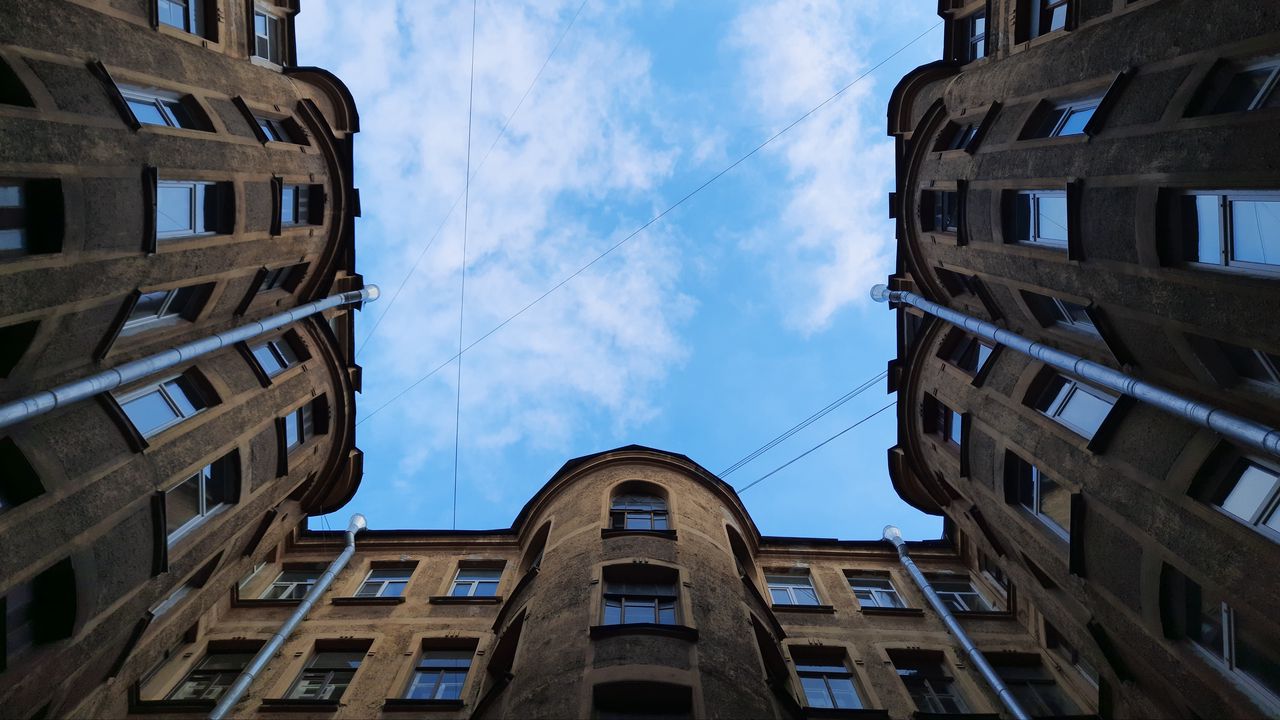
point(638, 511)
point(533, 555)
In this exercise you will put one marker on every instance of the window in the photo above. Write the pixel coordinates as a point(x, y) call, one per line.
point(1252, 496)
point(294, 205)
point(975, 30)
point(992, 569)
point(959, 595)
point(1061, 313)
point(154, 107)
point(299, 427)
point(192, 583)
point(1074, 405)
point(1058, 645)
point(826, 680)
point(1232, 229)
point(476, 582)
point(185, 208)
point(1248, 87)
point(13, 220)
point(293, 584)
point(12, 91)
point(1251, 364)
point(1070, 118)
point(19, 621)
point(635, 700)
point(969, 353)
point(440, 675)
point(1032, 685)
point(1040, 495)
point(927, 680)
point(212, 676)
point(276, 130)
point(956, 136)
point(186, 15)
point(268, 37)
point(943, 421)
point(327, 675)
point(18, 480)
point(196, 498)
point(635, 511)
point(1039, 217)
point(1048, 16)
point(1232, 641)
point(160, 308)
point(940, 210)
point(156, 407)
point(958, 284)
point(631, 598)
point(385, 582)
point(281, 278)
point(875, 591)
point(275, 356)
point(792, 589)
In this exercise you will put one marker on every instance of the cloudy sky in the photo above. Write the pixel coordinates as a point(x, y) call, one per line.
point(734, 317)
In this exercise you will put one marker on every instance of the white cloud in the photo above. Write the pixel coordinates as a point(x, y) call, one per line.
point(584, 135)
point(832, 241)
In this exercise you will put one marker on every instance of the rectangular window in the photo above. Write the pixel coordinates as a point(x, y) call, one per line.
point(1063, 119)
point(1058, 645)
point(295, 201)
point(969, 353)
point(975, 36)
point(1032, 685)
point(193, 500)
point(185, 208)
point(327, 675)
point(1048, 16)
point(476, 582)
point(992, 569)
point(1232, 229)
point(638, 511)
point(792, 589)
point(156, 407)
point(1218, 629)
point(186, 15)
point(627, 602)
point(154, 107)
point(275, 356)
point(440, 675)
point(13, 217)
point(291, 585)
point(1251, 364)
point(281, 278)
point(268, 37)
point(160, 308)
point(956, 137)
point(1041, 496)
point(212, 676)
point(826, 680)
point(1061, 313)
point(299, 427)
point(946, 423)
point(19, 621)
point(275, 130)
point(1039, 217)
point(926, 678)
point(959, 594)
point(1250, 87)
point(1076, 406)
point(1252, 496)
point(385, 582)
point(875, 591)
point(942, 210)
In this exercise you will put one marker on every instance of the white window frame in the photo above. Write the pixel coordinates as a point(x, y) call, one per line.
point(318, 682)
point(433, 666)
point(1035, 508)
point(207, 683)
point(1036, 237)
point(162, 389)
point(290, 586)
point(194, 11)
point(788, 582)
point(1265, 510)
point(275, 45)
point(198, 191)
point(203, 477)
point(281, 350)
point(382, 583)
point(1055, 406)
point(473, 582)
point(960, 597)
point(164, 315)
point(879, 595)
point(1268, 88)
point(274, 129)
point(159, 99)
point(1227, 661)
point(13, 230)
point(1226, 229)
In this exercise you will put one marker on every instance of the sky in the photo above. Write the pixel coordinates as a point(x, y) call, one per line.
point(734, 317)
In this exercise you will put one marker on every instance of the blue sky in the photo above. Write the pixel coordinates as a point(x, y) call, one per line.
point(736, 316)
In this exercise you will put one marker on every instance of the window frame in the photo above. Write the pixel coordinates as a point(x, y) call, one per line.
point(219, 471)
point(439, 668)
point(200, 192)
point(1029, 475)
point(955, 599)
point(196, 12)
point(1261, 96)
point(825, 666)
point(876, 592)
point(1048, 404)
point(196, 399)
point(279, 41)
point(473, 583)
point(13, 217)
point(162, 101)
point(976, 46)
point(282, 352)
point(966, 347)
point(777, 581)
point(384, 583)
point(654, 508)
point(1040, 24)
point(658, 604)
point(165, 314)
point(291, 586)
point(1225, 227)
point(930, 683)
point(1030, 685)
point(327, 677)
point(302, 421)
point(1035, 236)
point(199, 668)
point(1265, 511)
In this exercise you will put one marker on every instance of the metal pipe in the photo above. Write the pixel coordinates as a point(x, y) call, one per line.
point(1246, 432)
point(44, 401)
point(894, 535)
point(264, 654)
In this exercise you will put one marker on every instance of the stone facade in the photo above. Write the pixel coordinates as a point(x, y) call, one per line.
point(543, 643)
point(157, 185)
point(1104, 181)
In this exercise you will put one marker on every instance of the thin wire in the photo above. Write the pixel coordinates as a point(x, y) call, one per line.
point(804, 423)
point(462, 291)
point(643, 227)
point(770, 474)
point(501, 133)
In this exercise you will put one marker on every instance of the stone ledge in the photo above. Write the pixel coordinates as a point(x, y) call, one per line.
point(680, 632)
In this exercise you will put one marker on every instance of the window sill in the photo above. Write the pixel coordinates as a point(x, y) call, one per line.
point(463, 600)
point(1037, 142)
point(679, 632)
point(262, 603)
point(621, 532)
point(834, 713)
point(920, 715)
point(411, 705)
point(288, 705)
point(984, 614)
point(167, 707)
point(354, 600)
point(824, 609)
point(892, 612)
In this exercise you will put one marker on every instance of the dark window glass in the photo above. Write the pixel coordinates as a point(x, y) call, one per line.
point(476, 582)
point(928, 682)
point(1075, 405)
point(827, 683)
point(1249, 89)
point(326, 676)
point(635, 511)
point(199, 496)
point(211, 677)
point(1033, 686)
point(440, 675)
point(291, 585)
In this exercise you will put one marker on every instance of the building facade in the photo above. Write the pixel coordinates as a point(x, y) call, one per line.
point(167, 172)
point(633, 584)
point(1102, 177)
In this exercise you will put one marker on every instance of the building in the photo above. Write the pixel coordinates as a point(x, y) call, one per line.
point(166, 172)
point(1102, 177)
point(633, 584)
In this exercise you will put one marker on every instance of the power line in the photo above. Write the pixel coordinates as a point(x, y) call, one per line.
point(462, 290)
point(769, 474)
point(645, 226)
point(804, 423)
point(501, 133)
